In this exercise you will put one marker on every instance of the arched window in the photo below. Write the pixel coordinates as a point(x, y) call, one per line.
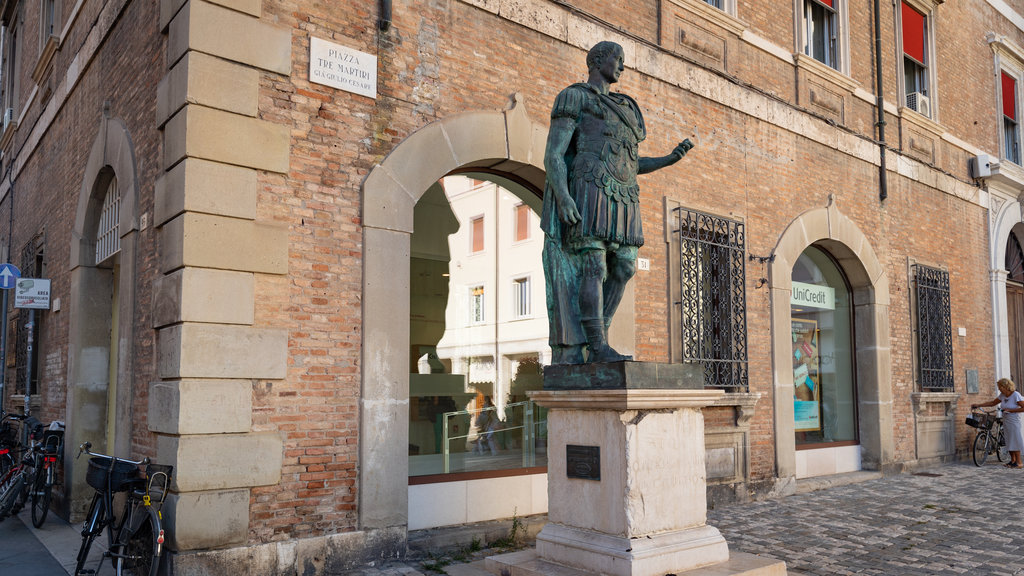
point(108, 237)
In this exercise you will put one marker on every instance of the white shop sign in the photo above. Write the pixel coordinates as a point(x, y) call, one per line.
point(813, 296)
point(343, 68)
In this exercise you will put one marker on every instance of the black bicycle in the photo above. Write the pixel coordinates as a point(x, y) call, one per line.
point(17, 482)
point(989, 439)
point(47, 455)
point(135, 539)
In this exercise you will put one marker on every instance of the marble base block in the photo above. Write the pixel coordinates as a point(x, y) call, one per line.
point(651, 555)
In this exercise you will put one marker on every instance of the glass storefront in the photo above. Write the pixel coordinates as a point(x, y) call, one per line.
point(478, 330)
point(824, 395)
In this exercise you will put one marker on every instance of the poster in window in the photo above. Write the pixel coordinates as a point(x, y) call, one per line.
point(806, 376)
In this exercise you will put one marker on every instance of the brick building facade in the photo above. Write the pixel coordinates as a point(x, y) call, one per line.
point(252, 324)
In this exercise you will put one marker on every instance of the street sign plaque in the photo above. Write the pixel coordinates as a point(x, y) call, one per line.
point(32, 293)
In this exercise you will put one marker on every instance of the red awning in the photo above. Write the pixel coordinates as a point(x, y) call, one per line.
point(827, 3)
point(913, 33)
point(1009, 96)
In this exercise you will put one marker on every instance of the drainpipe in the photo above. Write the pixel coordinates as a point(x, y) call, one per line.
point(385, 16)
point(883, 187)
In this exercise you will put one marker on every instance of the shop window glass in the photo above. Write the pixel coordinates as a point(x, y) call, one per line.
point(476, 350)
point(824, 395)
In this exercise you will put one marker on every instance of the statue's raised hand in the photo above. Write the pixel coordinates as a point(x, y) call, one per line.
point(682, 148)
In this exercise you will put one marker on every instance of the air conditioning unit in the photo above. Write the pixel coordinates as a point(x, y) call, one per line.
point(8, 117)
point(983, 166)
point(919, 103)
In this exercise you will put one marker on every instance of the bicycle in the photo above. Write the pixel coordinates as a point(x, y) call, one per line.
point(989, 438)
point(49, 453)
point(15, 484)
point(135, 540)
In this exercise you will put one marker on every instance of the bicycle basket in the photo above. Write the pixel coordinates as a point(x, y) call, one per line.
point(123, 475)
point(980, 420)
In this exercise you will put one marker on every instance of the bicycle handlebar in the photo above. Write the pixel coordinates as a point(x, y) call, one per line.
point(85, 447)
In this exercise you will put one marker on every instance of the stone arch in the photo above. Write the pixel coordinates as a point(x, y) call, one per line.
point(1007, 220)
point(842, 238)
point(91, 312)
point(507, 142)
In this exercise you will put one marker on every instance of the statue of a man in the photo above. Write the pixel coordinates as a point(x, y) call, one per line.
point(591, 213)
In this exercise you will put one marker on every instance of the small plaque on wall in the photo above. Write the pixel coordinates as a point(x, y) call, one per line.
point(972, 382)
point(583, 462)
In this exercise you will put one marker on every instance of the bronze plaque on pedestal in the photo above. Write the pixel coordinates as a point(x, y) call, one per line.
point(583, 462)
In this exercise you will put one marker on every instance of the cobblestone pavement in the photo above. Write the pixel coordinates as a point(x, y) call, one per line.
point(961, 520)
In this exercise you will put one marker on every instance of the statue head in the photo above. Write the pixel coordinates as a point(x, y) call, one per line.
point(599, 52)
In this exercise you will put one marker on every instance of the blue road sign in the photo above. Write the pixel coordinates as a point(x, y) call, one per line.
point(9, 275)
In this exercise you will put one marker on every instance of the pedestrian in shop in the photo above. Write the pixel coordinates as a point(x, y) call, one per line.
point(1012, 404)
point(486, 424)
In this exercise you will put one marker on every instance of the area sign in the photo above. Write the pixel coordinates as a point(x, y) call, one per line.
point(32, 293)
point(9, 275)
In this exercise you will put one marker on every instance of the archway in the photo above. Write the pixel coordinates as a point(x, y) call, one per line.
point(833, 232)
point(507, 142)
point(1008, 221)
point(102, 298)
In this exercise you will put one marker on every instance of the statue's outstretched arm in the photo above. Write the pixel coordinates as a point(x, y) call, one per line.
point(559, 137)
point(652, 164)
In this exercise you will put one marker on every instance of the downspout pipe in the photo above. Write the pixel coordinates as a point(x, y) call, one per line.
point(385, 15)
point(883, 186)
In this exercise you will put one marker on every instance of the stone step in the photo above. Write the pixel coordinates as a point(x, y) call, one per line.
point(477, 568)
point(526, 563)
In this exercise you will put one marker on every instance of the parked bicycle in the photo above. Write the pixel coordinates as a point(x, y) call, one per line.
point(48, 454)
point(989, 439)
point(16, 484)
point(135, 539)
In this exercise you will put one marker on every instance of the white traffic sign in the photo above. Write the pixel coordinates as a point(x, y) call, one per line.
point(9, 275)
point(32, 293)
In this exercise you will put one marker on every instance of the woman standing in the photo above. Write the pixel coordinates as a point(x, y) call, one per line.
point(1012, 404)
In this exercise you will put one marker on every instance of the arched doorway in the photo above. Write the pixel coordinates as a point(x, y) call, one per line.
point(102, 297)
point(836, 239)
point(1015, 302)
point(825, 394)
point(507, 143)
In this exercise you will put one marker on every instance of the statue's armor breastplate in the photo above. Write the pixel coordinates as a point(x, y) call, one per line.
point(606, 150)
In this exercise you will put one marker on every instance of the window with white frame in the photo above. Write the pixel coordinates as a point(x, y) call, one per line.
point(476, 305)
point(521, 297)
point(522, 223)
point(476, 235)
point(49, 19)
point(715, 3)
point(916, 40)
point(11, 70)
point(1011, 127)
point(821, 31)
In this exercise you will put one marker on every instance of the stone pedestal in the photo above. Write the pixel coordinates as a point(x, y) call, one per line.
point(627, 492)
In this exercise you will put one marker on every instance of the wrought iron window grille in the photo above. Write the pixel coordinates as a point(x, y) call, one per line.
point(713, 305)
point(934, 328)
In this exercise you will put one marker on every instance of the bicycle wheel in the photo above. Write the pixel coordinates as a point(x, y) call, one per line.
point(1001, 453)
point(980, 452)
point(10, 488)
point(90, 529)
point(41, 493)
point(140, 554)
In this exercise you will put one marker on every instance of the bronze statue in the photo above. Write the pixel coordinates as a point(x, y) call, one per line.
point(591, 213)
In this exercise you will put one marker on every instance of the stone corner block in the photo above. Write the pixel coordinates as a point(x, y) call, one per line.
point(208, 241)
point(202, 132)
point(196, 185)
point(229, 34)
point(200, 406)
point(222, 461)
point(386, 203)
point(204, 520)
point(221, 351)
point(208, 81)
point(204, 295)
